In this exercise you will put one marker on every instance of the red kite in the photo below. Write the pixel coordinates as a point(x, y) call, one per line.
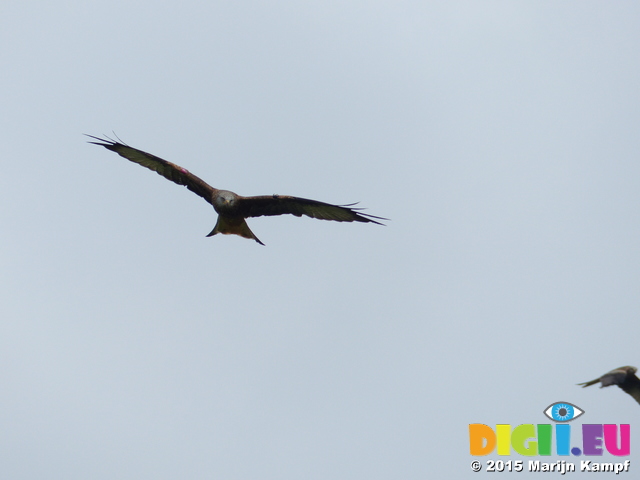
point(624, 377)
point(233, 209)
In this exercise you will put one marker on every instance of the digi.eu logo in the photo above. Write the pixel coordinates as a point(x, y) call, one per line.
point(531, 440)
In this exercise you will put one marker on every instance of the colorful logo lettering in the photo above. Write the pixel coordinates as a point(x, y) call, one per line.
point(538, 439)
point(531, 440)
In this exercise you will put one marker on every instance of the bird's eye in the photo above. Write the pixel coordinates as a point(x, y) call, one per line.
point(563, 412)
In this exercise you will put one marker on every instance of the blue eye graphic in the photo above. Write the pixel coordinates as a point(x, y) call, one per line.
point(563, 412)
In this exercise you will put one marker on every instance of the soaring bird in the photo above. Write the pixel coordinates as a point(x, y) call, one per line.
point(624, 377)
point(232, 208)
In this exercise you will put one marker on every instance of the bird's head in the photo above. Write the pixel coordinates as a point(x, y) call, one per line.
point(224, 201)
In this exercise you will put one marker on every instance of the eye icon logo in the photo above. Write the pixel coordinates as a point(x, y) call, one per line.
point(563, 412)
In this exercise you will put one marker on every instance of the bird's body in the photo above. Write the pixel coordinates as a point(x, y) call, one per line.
point(623, 377)
point(232, 208)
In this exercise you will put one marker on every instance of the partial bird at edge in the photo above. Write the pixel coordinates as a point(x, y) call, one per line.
point(623, 377)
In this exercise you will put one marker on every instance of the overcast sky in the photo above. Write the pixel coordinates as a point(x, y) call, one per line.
point(500, 139)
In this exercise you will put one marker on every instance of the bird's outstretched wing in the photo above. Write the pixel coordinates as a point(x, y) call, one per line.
point(623, 377)
point(168, 170)
point(283, 204)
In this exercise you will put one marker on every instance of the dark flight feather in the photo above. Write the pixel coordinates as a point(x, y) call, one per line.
point(267, 205)
point(168, 170)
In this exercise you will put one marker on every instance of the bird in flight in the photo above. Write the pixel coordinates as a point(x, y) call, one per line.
point(624, 377)
point(232, 208)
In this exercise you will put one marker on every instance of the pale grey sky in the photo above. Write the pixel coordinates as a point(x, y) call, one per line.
point(500, 138)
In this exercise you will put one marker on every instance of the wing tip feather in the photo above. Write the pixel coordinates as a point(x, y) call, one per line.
point(106, 141)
